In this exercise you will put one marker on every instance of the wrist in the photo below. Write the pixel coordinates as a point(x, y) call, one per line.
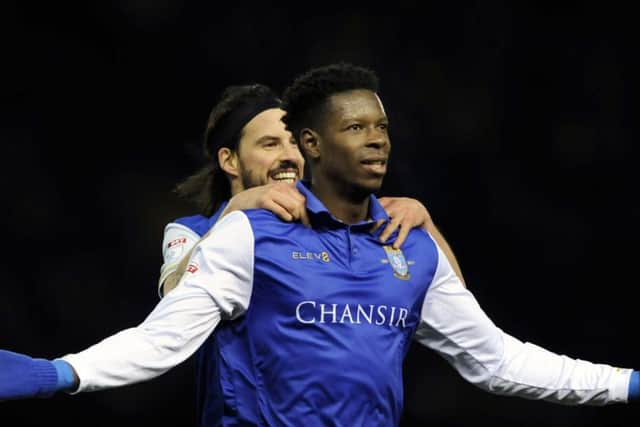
point(66, 377)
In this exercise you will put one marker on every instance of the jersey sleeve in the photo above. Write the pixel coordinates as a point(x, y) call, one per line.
point(455, 326)
point(177, 242)
point(217, 285)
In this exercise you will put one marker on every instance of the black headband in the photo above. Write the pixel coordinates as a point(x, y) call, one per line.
point(225, 133)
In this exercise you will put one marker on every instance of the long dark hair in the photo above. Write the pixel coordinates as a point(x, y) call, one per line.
point(209, 187)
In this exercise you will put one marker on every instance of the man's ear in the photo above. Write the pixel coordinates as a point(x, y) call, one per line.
point(309, 141)
point(228, 161)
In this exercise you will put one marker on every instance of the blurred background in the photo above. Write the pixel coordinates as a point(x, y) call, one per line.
point(513, 124)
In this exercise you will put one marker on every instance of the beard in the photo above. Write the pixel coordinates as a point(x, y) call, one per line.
point(249, 179)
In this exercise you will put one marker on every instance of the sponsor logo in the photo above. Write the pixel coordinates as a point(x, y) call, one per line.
point(309, 256)
point(179, 241)
point(192, 268)
point(310, 312)
point(396, 259)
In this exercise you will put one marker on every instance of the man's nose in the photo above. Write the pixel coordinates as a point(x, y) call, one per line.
point(291, 152)
point(377, 139)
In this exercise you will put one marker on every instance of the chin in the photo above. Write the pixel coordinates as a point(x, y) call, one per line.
point(375, 184)
point(365, 189)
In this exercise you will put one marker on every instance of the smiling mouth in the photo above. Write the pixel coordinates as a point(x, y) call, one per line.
point(286, 176)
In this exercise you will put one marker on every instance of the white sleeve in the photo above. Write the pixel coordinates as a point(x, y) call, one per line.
point(218, 285)
point(176, 243)
point(454, 325)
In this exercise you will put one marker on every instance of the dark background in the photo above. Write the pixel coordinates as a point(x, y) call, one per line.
point(513, 124)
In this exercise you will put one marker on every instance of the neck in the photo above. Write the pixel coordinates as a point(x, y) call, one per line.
point(345, 204)
point(235, 185)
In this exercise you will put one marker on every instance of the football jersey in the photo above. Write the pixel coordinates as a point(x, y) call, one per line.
point(219, 362)
point(328, 314)
point(180, 236)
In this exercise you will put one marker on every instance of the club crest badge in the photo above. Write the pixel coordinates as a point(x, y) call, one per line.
point(397, 262)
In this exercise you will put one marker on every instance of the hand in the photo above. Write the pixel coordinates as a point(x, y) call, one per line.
point(281, 198)
point(405, 213)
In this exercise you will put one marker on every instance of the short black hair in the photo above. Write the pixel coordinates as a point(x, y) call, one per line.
point(304, 100)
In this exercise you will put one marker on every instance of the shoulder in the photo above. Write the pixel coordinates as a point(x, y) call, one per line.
point(234, 229)
point(199, 224)
point(264, 223)
point(262, 215)
point(421, 242)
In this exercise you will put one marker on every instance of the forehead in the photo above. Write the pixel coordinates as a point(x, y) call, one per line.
point(358, 103)
point(267, 123)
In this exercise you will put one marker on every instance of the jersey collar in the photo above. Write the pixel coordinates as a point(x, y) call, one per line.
point(318, 210)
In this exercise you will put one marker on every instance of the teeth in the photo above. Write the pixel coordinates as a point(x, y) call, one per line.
point(285, 176)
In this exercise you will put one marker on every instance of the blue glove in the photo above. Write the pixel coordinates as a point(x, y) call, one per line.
point(23, 377)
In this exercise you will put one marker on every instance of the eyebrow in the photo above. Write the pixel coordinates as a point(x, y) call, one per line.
point(363, 118)
point(266, 138)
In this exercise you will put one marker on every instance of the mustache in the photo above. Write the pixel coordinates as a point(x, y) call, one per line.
point(286, 165)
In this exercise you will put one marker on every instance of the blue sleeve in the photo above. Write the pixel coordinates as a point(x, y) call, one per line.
point(24, 377)
point(66, 377)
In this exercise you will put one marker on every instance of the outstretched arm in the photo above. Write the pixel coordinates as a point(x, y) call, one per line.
point(175, 328)
point(407, 213)
point(455, 326)
point(23, 377)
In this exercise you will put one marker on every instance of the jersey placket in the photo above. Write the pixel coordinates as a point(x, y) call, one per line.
point(360, 255)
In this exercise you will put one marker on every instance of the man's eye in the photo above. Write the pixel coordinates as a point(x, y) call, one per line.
point(355, 126)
